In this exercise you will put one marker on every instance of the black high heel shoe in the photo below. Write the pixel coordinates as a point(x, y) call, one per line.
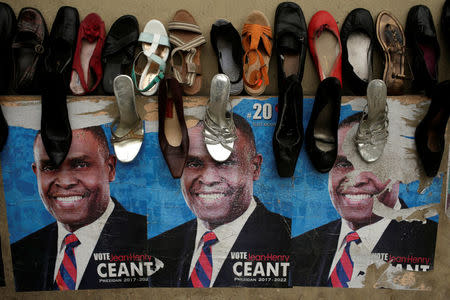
point(430, 133)
point(321, 133)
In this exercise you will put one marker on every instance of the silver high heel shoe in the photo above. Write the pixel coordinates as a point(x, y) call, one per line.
point(372, 132)
point(219, 131)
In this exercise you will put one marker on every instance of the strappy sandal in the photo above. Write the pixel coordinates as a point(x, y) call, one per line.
point(187, 38)
point(257, 55)
point(392, 39)
point(156, 47)
point(127, 133)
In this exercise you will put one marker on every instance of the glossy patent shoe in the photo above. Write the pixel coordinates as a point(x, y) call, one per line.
point(430, 133)
point(172, 132)
point(56, 132)
point(321, 133)
point(372, 132)
point(219, 132)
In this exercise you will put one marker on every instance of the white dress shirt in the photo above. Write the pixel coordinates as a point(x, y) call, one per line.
point(226, 235)
point(361, 253)
point(88, 237)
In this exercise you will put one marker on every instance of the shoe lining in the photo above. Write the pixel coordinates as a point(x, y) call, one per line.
point(229, 67)
point(358, 47)
point(291, 64)
point(327, 47)
point(172, 128)
point(323, 134)
point(430, 59)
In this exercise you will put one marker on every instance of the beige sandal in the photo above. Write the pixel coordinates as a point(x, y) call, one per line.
point(186, 36)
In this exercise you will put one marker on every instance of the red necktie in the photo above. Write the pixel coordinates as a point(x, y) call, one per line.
point(343, 270)
point(67, 274)
point(201, 274)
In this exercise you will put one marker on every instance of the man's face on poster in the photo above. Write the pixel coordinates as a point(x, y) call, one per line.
point(219, 192)
point(353, 196)
point(77, 192)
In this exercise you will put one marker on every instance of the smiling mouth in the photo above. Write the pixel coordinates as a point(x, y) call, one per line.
point(356, 198)
point(210, 196)
point(69, 200)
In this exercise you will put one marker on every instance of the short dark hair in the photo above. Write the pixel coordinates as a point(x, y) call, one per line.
point(244, 127)
point(99, 135)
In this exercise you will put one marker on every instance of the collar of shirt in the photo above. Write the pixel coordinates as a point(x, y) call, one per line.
point(369, 235)
point(226, 235)
point(88, 237)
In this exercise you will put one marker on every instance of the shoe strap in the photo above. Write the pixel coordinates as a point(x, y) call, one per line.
point(214, 134)
point(131, 135)
point(152, 58)
point(191, 50)
point(376, 133)
point(38, 49)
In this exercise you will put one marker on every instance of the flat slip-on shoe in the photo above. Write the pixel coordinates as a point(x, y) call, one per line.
point(372, 132)
point(226, 43)
point(430, 133)
point(8, 27)
point(219, 132)
point(257, 43)
point(28, 48)
point(358, 40)
point(392, 40)
point(155, 48)
point(56, 132)
point(62, 42)
point(288, 134)
point(187, 38)
point(325, 45)
point(118, 51)
point(87, 68)
point(422, 40)
point(290, 42)
point(172, 131)
point(321, 135)
point(127, 133)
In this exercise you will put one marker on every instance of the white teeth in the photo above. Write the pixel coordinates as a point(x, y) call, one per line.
point(357, 197)
point(69, 199)
point(211, 196)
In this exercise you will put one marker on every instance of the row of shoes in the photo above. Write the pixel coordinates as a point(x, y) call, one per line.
point(358, 33)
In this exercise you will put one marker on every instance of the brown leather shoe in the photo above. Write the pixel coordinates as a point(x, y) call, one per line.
point(391, 37)
point(173, 136)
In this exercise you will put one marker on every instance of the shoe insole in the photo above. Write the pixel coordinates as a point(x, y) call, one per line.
point(112, 69)
point(172, 128)
point(127, 108)
point(359, 52)
point(151, 69)
point(227, 63)
point(291, 64)
point(430, 59)
point(376, 106)
point(327, 47)
point(323, 135)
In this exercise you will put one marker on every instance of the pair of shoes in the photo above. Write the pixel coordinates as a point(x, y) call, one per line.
point(118, 50)
point(421, 38)
point(226, 43)
point(155, 47)
point(8, 26)
point(290, 47)
point(28, 49)
point(430, 133)
point(358, 40)
point(325, 45)
point(187, 39)
point(87, 68)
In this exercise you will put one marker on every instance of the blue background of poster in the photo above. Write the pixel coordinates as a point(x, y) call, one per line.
point(145, 185)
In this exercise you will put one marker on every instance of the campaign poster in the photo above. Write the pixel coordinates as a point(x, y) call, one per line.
point(359, 214)
point(253, 233)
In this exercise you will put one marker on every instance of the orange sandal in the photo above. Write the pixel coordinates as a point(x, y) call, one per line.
point(257, 55)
